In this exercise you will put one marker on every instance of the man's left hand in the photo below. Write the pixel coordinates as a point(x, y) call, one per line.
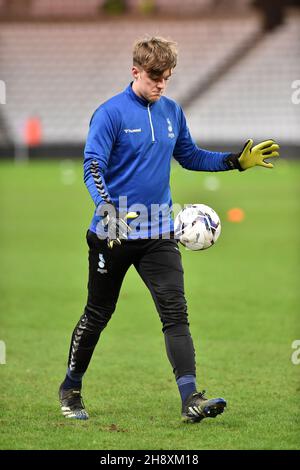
point(252, 156)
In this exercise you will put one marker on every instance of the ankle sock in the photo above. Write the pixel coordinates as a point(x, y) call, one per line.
point(186, 385)
point(72, 380)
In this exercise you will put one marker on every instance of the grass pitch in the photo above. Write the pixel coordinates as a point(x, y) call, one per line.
point(243, 298)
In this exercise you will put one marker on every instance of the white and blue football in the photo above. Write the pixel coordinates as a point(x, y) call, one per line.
point(197, 227)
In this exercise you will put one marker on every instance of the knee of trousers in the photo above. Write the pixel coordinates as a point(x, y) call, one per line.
point(96, 317)
point(172, 308)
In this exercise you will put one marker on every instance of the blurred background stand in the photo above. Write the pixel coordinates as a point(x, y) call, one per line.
point(237, 62)
point(31, 137)
point(273, 12)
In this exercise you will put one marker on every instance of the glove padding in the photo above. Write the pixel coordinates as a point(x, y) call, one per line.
point(250, 157)
point(117, 228)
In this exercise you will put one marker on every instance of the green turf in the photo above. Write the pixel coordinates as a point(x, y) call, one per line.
point(243, 298)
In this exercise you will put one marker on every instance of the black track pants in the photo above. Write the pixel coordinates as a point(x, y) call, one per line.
point(159, 264)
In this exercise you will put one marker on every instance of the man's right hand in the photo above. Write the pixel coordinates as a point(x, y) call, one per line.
point(115, 226)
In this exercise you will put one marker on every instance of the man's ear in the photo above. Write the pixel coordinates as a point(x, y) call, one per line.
point(136, 72)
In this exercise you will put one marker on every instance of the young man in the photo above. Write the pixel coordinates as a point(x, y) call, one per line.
point(131, 141)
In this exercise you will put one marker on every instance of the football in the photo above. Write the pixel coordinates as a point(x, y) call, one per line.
point(197, 227)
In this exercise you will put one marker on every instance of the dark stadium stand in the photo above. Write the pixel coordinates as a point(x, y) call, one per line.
point(92, 8)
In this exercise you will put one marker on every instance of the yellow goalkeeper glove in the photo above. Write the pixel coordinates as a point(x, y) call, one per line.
point(117, 228)
point(252, 156)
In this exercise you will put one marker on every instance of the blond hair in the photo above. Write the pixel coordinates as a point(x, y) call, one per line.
point(155, 55)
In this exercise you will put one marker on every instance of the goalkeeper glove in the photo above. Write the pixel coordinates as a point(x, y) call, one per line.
point(252, 156)
point(116, 227)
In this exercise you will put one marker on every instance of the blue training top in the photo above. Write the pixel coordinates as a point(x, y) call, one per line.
point(128, 154)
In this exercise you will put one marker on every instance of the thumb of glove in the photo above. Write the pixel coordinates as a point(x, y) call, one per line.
point(247, 147)
point(245, 159)
point(131, 215)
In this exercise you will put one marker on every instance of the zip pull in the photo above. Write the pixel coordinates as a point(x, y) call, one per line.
point(151, 125)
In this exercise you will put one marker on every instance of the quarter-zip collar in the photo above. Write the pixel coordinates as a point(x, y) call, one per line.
point(145, 103)
point(151, 124)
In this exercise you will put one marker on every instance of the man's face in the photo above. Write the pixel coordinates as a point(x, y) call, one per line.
point(150, 88)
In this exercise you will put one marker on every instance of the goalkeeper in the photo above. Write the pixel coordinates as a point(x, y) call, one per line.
point(131, 141)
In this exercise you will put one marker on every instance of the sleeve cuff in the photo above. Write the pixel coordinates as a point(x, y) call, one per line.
point(232, 161)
